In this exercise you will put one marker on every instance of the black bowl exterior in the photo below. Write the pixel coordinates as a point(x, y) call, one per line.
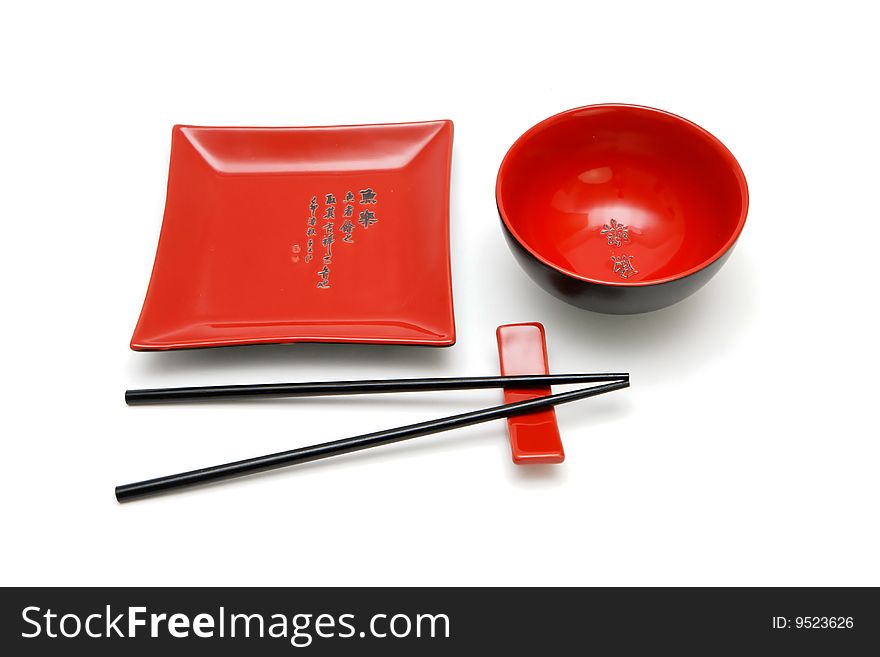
point(611, 299)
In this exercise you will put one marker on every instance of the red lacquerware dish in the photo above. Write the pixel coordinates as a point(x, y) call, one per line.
point(320, 234)
point(620, 208)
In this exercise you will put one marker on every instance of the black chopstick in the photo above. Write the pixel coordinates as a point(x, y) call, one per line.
point(321, 388)
point(334, 448)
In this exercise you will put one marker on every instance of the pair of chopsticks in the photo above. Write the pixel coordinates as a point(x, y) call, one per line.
point(140, 489)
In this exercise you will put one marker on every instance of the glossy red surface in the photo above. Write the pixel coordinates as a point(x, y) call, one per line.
point(534, 438)
point(622, 195)
point(234, 264)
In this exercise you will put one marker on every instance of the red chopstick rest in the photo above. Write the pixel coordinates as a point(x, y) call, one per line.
point(534, 438)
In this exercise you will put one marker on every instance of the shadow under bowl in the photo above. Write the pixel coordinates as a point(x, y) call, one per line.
point(619, 208)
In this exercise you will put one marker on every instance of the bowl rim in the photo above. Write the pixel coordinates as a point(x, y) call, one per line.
point(712, 139)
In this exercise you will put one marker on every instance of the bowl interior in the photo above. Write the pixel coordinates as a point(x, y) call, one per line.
point(622, 195)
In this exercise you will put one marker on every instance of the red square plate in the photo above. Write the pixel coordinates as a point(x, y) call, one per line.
point(324, 234)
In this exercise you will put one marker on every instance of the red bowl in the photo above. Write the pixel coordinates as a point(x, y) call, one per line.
point(619, 208)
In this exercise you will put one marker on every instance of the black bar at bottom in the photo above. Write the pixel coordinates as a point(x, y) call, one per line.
point(441, 621)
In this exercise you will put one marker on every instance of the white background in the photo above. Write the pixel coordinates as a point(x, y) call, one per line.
point(746, 451)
